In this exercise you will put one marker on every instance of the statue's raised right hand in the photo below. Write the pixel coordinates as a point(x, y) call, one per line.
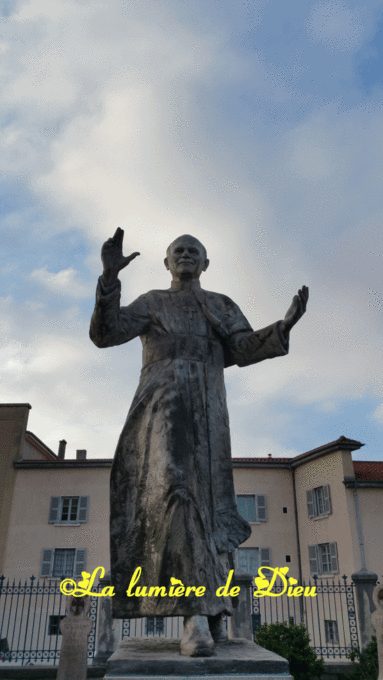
point(112, 257)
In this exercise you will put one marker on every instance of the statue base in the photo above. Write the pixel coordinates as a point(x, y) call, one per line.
point(143, 658)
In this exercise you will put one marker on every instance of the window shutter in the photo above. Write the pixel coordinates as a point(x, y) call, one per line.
point(265, 557)
point(313, 558)
point(326, 499)
point(83, 509)
point(80, 560)
point(310, 502)
point(334, 558)
point(261, 507)
point(47, 563)
point(54, 510)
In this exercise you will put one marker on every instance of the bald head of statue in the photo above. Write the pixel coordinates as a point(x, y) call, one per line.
point(186, 258)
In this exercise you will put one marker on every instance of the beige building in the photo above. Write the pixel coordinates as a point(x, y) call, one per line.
point(322, 515)
point(318, 513)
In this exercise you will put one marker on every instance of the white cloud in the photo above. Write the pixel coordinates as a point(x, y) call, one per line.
point(333, 24)
point(64, 283)
point(377, 415)
point(116, 121)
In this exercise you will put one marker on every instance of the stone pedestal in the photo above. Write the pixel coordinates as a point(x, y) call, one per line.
point(75, 628)
point(240, 624)
point(239, 659)
point(377, 622)
point(109, 631)
point(365, 582)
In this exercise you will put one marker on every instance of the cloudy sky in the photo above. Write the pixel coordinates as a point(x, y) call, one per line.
point(255, 125)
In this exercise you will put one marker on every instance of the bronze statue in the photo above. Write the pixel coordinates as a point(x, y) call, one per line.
point(173, 509)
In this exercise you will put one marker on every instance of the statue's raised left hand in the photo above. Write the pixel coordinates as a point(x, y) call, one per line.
point(296, 309)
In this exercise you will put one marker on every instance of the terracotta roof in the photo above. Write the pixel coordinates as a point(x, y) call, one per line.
point(340, 443)
point(256, 459)
point(368, 470)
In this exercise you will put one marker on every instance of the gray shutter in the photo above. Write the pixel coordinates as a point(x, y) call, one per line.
point(261, 507)
point(83, 509)
point(265, 557)
point(47, 563)
point(54, 510)
point(310, 502)
point(80, 561)
point(334, 558)
point(313, 559)
point(326, 500)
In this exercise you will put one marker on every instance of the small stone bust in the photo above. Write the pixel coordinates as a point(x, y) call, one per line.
point(75, 628)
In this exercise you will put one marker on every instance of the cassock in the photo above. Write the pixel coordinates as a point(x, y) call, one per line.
point(173, 509)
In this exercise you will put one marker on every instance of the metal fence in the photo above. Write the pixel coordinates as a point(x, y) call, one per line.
point(30, 615)
point(329, 617)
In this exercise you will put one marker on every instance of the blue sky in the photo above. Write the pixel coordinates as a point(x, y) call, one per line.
point(256, 126)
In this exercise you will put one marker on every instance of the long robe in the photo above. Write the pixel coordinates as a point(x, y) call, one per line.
point(173, 509)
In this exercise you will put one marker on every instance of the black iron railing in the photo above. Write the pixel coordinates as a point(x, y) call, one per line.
point(329, 617)
point(30, 615)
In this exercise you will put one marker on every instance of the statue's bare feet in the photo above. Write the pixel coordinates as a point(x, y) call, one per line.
point(217, 628)
point(197, 639)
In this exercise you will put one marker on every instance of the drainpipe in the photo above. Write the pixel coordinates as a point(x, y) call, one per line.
point(300, 599)
point(359, 526)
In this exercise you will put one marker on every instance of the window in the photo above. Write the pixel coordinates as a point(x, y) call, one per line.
point(68, 509)
point(154, 625)
point(323, 559)
point(63, 562)
point(252, 508)
point(250, 559)
point(318, 501)
point(54, 624)
point(331, 631)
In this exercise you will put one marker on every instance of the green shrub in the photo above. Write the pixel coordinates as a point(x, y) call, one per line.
point(293, 643)
point(365, 663)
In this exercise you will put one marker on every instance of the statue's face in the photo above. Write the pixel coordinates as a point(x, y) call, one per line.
point(186, 259)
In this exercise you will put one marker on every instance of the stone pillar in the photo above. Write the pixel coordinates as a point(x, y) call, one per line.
point(75, 628)
point(109, 631)
point(377, 622)
point(365, 582)
point(240, 625)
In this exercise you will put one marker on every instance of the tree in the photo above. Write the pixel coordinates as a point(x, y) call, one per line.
point(366, 666)
point(293, 643)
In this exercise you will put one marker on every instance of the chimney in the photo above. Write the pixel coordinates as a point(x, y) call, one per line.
point(81, 454)
point(62, 447)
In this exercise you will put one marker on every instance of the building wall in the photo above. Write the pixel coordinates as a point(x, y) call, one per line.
point(30, 451)
point(371, 512)
point(278, 532)
point(30, 532)
point(13, 423)
point(340, 525)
